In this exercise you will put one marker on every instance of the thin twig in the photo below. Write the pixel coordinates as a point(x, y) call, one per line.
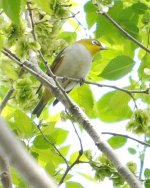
point(6, 98)
point(80, 24)
point(77, 160)
point(31, 18)
point(146, 91)
point(70, 167)
point(127, 136)
point(73, 15)
point(80, 141)
point(125, 32)
point(52, 144)
point(129, 92)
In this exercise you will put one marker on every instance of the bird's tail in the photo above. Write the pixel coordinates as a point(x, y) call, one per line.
point(39, 107)
point(42, 103)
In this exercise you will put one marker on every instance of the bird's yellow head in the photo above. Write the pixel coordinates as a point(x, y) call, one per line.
point(93, 45)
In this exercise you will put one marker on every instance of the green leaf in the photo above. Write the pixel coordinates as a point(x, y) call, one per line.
point(71, 184)
point(117, 141)
point(113, 107)
point(147, 173)
point(146, 18)
point(45, 5)
point(74, 156)
point(2, 39)
point(64, 150)
point(59, 135)
point(50, 168)
point(84, 98)
point(40, 143)
point(104, 27)
point(131, 28)
point(8, 69)
point(54, 136)
point(48, 156)
point(68, 36)
point(107, 32)
point(91, 15)
point(87, 176)
point(128, 20)
point(140, 8)
point(59, 177)
point(117, 68)
point(147, 183)
point(17, 179)
point(125, 186)
point(144, 65)
point(132, 151)
point(1, 3)
point(22, 124)
point(12, 10)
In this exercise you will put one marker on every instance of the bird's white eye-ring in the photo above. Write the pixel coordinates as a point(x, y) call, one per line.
point(95, 42)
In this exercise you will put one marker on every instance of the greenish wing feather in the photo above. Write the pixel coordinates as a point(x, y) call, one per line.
point(58, 60)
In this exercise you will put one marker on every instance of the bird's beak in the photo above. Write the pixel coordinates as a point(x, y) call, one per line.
point(103, 48)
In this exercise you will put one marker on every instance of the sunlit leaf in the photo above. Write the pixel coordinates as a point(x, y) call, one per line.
point(59, 135)
point(71, 184)
point(87, 176)
point(22, 124)
point(9, 70)
point(113, 106)
point(91, 15)
point(147, 183)
point(147, 173)
point(132, 150)
point(68, 36)
point(84, 97)
point(64, 150)
point(45, 5)
point(117, 68)
point(144, 65)
point(139, 7)
point(117, 141)
point(12, 9)
point(40, 142)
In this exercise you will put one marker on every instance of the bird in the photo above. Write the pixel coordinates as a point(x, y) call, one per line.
point(74, 61)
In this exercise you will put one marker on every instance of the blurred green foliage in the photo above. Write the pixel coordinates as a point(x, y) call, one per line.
point(124, 61)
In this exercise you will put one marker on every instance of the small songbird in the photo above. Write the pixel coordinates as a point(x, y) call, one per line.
point(75, 62)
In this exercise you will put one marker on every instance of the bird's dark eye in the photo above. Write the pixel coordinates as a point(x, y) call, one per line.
point(95, 42)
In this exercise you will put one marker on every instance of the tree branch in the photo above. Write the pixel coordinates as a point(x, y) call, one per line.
point(5, 173)
point(80, 117)
point(129, 92)
point(21, 160)
point(6, 98)
point(146, 91)
point(126, 136)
